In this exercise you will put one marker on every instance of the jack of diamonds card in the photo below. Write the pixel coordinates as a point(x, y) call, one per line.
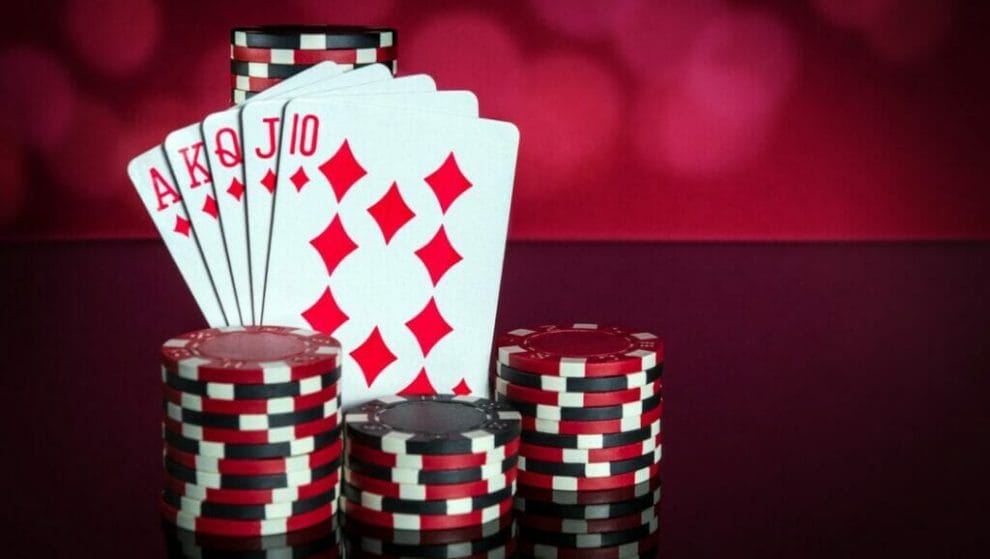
point(389, 234)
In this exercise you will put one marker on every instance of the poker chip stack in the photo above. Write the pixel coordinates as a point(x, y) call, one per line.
point(321, 541)
point(430, 476)
point(252, 430)
point(261, 57)
point(589, 463)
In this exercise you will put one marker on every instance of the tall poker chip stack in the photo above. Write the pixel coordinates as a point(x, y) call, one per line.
point(589, 467)
point(430, 476)
point(252, 430)
point(261, 57)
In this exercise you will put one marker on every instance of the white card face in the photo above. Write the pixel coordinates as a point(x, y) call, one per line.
point(261, 132)
point(389, 232)
point(152, 177)
point(187, 153)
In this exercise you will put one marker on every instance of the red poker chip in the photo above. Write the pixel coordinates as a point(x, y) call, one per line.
point(577, 399)
point(645, 547)
point(238, 407)
point(264, 466)
point(592, 427)
point(313, 56)
point(252, 496)
point(590, 455)
point(377, 457)
point(260, 436)
point(418, 492)
point(594, 526)
point(600, 497)
point(402, 521)
point(250, 354)
point(567, 483)
point(579, 350)
point(227, 527)
point(430, 537)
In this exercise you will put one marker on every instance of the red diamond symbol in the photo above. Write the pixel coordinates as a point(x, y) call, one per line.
point(210, 206)
point(325, 315)
point(299, 179)
point(420, 385)
point(333, 244)
point(181, 225)
point(391, 212)
point(373, 356)
point(268, 181)
point(342, 170)
point(429, 327)
point(462, 388)
point(438, 255)
point(236, 189)
point(448, 182)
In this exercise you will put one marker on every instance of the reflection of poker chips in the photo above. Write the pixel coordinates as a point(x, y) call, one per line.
point(431, 537)
point(196, 507)
point(507, 551)
point(602, 413)
point(251, 496)
point(227, 527)
point(645, 548)
point(443, 424)
point(259, 436)
point(594, 526)
point(594, 469)
point(267, 481)
point(312, 56)
point(604, 440)
point(593, 511)
point(584, 456)
point(605, 496)
point(252, 392)
point(594, 540)
point(439, 477)
point(262, 406)
point(567, 483)
point(425, 521)
point(370, 455)
point(253, 451)
point(251, 355)
point(579, 350)
point(579, 384)
point(576, 399)
point(318, 541)
point(252, 421)
point(417, 492)
point(313, 37)
point(447, 506)
point(437, 551)
point(593, 427)
point(255, 467)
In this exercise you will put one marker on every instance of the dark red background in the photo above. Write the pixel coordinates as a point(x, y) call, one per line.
point(640, 119)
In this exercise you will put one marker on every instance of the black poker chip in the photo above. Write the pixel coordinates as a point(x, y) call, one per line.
point(249, 422)
point(224, 391)
point(563, 413)
point(431, 477)
point(436, 551)
point(272, 481)
point(594, 511)
point(445, 424)
point(253, 451)
point(196, 507)
point(593, 469)
point(591, 541)
point(441, 506)
point(313, 37)
point(266, 70)
point(580, 384)
point(590, 441)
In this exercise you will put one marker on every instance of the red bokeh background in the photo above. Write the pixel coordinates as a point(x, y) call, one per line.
point(640, 119)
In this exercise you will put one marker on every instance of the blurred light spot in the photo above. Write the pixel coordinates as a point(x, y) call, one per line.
point(584, 19)
point(672, 133)
point(37, 106)
point(653, 37)
point(467, 50)
point(12, 180)
point(853, 14)
point(741, 64)
point(85, 163)
point(347, 12)
point(114, 36)
point(911, 30)
point(569, 117)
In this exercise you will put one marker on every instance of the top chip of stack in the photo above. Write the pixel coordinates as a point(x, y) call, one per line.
point(261, 57)
point(252, 430)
